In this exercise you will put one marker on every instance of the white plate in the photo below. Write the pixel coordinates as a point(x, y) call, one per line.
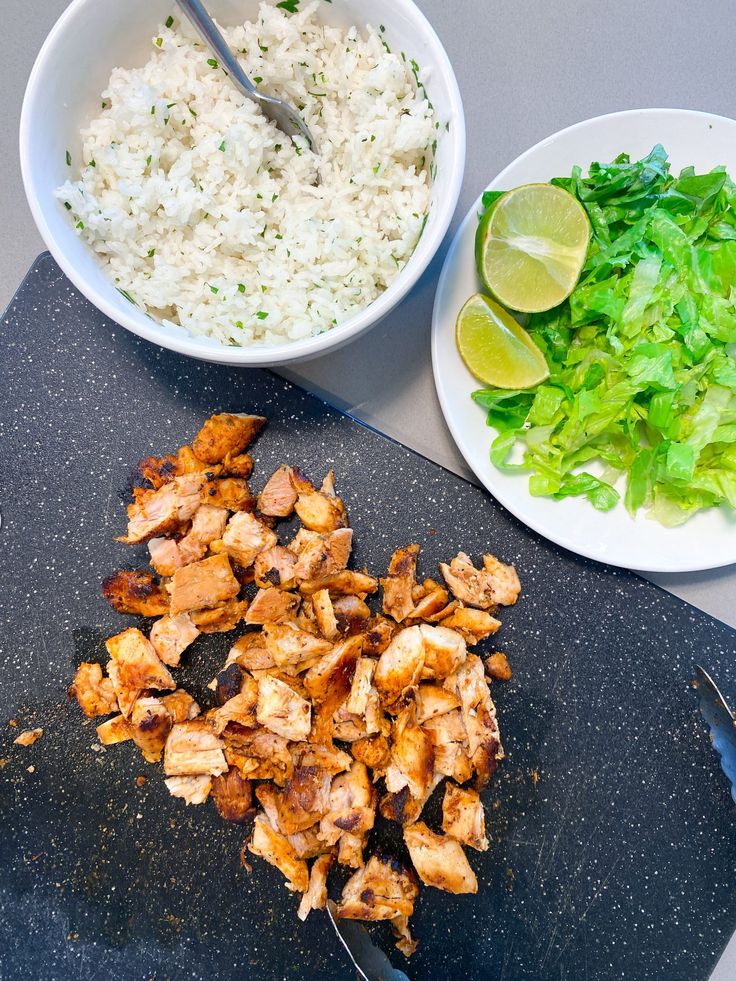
point(709, 539)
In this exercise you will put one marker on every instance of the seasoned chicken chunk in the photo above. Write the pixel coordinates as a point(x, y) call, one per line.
point(324, 555)
point(316, 895)
point(221, 618)
point(258, 753)
point(399, 583)
point(352, 615)
point(208, 525)
point(165, 556)
point(342, 583)
point(319, 510)
point(150, 723)
point(281, 710)
point(324, 614)
point(246, 537)
point(498, 667)
point(439, 860)
point(506, 585)
point(134, 667)
point(412, 755)
point(479, 718)
point(463, 817)
point(271, 606)
point(400, 666)
point(194, 790)
point(180, 705)
point(328, 685)
point(203, 585)
point(278, 497)
point(381, 890)
point(241, 708)
point(450, 742)
point(277, 850)
point(430, 603)
point(444, 651)
point(95, 694)
point(304, 800)
point(351, 813)
point(193, 748)
point(115, 730)
point(158, 470)
point(361, 687)
point(473, 625)
point(171, 635)
point(226, 434)
point(432, 700)
point(402, 807)
point(379, 632)
point(484, 588)
point(161, 511)
point(374, 752)
point(276, 567)
point(232, 795)
point(404, 940)
point(289, 645)
point(136, 591)
point(231, 493)
point(250, 653)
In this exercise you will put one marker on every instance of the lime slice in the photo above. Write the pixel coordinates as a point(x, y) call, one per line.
point(497, 349)
point(531, 246)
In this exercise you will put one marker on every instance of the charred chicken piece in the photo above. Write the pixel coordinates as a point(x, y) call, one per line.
point(439, 860)
point(398, 601)
point(136, 591)
point(320, 510)
point(463, 817)
point(95, 694)
point(382, 890)
point(226, 434)
point(233, 796)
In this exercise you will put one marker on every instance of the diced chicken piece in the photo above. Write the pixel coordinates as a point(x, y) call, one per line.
point(231, 493)
point(402, 807)
point(238, 465)
point(228, 682)
point(135, 667)
point(246, 537)
point(220, 619)
point(95, 694)
point(382, 890)
point(444, 651)
point(115, 730)
point(241, 708)
point(479, 718)
point(326, 758)
point(324, 555)
point(400, 666)
point(203, 585)
point(379, 632)
point(412, 755)
point(158, 470)
point(432, 700)
point(233, 796)
point(430, 604)
point(398, 584)
point(463, 817)
point(319, 510)
point(150, 723)
point(187, 462)
point(439, 860)
point(272, 606)
point(351, 808)
point(374, 751)
point(307, 844)
point(328, 685)
point(29, 737)
point(171, 635)
point(304, 800)
point(136, 591)
point(351, 614)
point(161, 511)
point(278, 497)
point(250, 653)
point(345, 583)
point(193, 790)
point(483, 588)
point(324, 614)
point(404, 940)
point(258, 754)
point(506, 585)
point(289, 645)
point(275, 567)
point(442, 614)
point(347, 727)
point(180, 705)
point(316, 895)
point(350, 850)
point(277, 851)
point(451, 757)
point(226, 434)
point(165, 556)
point(281, 710)
point(498, 667)
point(208, 525)
point(357, 702)
point(473, 625)
point(193, 748)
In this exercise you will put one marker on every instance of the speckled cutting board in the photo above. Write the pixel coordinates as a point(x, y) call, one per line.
point(613, 833)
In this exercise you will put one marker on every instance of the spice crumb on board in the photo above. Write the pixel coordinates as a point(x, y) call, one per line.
point(29, 737)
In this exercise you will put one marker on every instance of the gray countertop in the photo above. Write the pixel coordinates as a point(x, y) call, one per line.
point(525, 70)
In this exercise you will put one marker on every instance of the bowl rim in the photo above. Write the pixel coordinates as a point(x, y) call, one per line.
point(306, 348)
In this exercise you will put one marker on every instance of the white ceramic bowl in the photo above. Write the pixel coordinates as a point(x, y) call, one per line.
point(74, 66)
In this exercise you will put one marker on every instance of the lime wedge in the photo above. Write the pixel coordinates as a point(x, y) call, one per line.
point(497, 349)
point(531, 246)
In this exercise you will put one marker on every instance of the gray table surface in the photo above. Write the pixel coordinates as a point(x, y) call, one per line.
point(525, 70)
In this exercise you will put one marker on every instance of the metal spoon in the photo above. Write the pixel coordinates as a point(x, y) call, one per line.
point(285, 116)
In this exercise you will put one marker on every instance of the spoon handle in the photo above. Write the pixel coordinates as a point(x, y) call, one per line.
point(207, 30)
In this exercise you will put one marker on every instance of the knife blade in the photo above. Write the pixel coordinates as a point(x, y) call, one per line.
point(370, 961)
point(721, 723)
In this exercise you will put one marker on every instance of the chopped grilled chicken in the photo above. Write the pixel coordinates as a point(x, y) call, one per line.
point(233, 796)
point(382, 890)
point(226, 434)
point(136, 591)
point(430, 604)
point(316, 895)
point(479, 718)
point(350, 814)
point(306, 844)
point(374, 751)
point(203, 585)
point(227, 683)
point(473, 625)
point(319, 510)
point(412, 755)
point(250, 653)
point(150, 723)
point(135, 667)
point(328, 685)
point(276, 849)
point(208, 525)
point(327, 758)
point(442, 614)
point(272, 606)
point(258, 753)
point(194, 790)
point(220, 619)
point(398, 584)
point(246, 537)
point(187, 462)
point(404, 940)
point(171, 635)
point(324, 614)
point(241, 708)
point(29, 737)
point(304, 800)
point(439, 860)
point(95, 694)
point(350, 850)
point(483, 588)
point(276, 567)
point(278, 497)
point(193, 748)
point(159, 512)
point(498, 667)
point(463, 817)
point(400, 666)
point(506, 585)
point(289, 645)
point(345, 583)
point(444, 651)
point(324, 555)
point(115, 730)
point(158, 470)
point(180, 705)
point(281, 710)
point(351, 614)
point(401, 807)
point(379, 632)
point(165, 556)
point(231, 493)
point(238, 465)
point(451, 757)
point(361, 687)
point(432, 700)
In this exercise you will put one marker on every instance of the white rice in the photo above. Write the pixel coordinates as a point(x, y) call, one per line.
point(205, 213)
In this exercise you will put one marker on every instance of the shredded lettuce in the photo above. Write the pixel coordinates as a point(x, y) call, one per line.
point(642, 355)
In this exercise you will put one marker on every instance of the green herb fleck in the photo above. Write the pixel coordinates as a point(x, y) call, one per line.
point(213, 63)
point(169, 21)
point(221, 147)
point(241, 287)
point(277, 147)
point(257, 79)
point(159, 42)
point(214, 289)
point(291, 5)
point(261, 315)
point(192, 111)
point(127, 296)
point(68, 159)
point(151, 253)
point(67, 206)
point(149, 158)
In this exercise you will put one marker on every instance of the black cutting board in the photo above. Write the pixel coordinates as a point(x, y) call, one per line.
point(613, 849)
